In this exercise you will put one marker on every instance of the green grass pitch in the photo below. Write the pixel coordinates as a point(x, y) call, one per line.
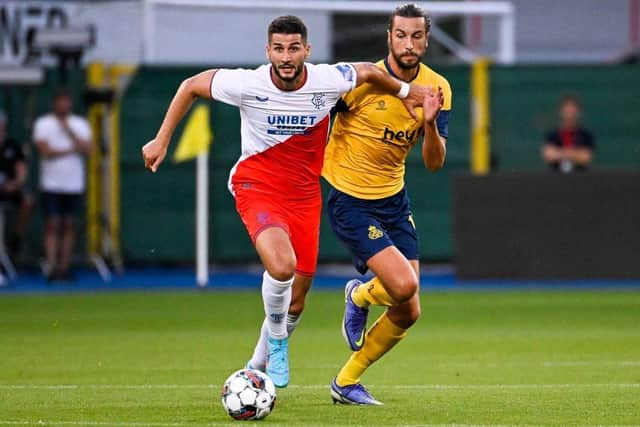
point(474, 358)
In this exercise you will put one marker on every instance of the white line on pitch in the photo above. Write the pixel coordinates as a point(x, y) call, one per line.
point(314, 386)
point(181, 424)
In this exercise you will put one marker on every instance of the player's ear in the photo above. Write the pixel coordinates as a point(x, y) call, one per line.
point(426, 41)
point(307, 51)
point(266, 51)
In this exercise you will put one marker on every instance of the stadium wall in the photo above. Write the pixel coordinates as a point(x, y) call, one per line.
point(158, 218)
point(547, 226)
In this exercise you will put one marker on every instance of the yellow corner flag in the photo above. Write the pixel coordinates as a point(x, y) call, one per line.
point(196, 136)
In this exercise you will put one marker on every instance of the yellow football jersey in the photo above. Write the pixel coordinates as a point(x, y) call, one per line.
point(368, 145)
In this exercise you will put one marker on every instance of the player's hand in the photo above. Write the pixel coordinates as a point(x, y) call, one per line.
point(432, 104)
point(153, 153)
point(415, 98)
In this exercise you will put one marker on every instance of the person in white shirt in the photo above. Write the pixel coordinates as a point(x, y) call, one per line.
point(63, 140)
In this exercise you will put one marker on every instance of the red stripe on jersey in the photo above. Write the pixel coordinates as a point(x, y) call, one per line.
point(290, 169)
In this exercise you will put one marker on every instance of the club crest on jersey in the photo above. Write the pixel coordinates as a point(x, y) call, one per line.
point(374, 232)
point(381, 105)
point(318, 100)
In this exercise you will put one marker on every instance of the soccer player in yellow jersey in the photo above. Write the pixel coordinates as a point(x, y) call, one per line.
point(368, 205)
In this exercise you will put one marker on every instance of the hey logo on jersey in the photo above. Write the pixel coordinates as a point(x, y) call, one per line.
point(284, 124)
point(375, 233)
point(401, 136)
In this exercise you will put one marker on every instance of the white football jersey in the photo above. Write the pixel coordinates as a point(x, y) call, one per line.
point(283, 133)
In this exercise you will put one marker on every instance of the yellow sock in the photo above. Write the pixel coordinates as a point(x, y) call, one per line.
point(372, 293)
point(382, 336)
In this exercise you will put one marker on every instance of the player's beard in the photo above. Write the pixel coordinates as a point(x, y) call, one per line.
point(293, 78)
point(401, 60)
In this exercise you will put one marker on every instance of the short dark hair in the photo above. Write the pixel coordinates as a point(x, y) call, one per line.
point(570, 99)
point(411, 10)
point(288, 24)
point(62, 92)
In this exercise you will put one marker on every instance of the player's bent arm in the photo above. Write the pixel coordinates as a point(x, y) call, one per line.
point(412, 94)
point(197, 86)
point(434, 148)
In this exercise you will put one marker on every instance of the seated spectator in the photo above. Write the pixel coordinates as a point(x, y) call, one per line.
point(569, 147)
point(13, 191)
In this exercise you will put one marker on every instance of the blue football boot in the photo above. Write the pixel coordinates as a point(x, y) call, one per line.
point(354, 322)
point(353, 394)
point(278, 361)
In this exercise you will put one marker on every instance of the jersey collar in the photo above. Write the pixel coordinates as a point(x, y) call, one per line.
point(390, 70)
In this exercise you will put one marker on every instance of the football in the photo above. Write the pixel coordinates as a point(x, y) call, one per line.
point(248, 394)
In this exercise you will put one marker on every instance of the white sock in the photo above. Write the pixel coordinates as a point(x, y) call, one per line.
point(259, 358)
point(276, 297)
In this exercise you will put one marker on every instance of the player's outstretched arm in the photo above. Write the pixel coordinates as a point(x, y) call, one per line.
point(198, 86)
point(412, 95)
point(434, 149)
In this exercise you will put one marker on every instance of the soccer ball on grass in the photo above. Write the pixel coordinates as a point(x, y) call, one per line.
point(248, 394)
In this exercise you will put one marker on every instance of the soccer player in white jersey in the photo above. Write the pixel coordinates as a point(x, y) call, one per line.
point(284, 109)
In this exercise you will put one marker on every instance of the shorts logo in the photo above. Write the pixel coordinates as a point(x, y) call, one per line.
point(375, 233)
point(263, 217)
point(410, 219)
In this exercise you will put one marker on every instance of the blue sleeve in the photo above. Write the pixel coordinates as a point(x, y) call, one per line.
point(443, 123)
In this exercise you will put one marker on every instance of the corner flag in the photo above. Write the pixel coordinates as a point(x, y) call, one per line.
point(196, 136)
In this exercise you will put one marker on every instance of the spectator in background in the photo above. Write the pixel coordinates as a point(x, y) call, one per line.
point(13, 191)
point(569, 147)
point(63, 140)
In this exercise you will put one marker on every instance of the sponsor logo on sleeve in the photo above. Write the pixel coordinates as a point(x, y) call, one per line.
point(346, 71)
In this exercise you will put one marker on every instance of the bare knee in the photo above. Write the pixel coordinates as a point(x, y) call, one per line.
point(282, 268)
point(405, 315)
point(403, 287)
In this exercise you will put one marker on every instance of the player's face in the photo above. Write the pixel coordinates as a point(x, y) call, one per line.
point(407, 40)
point(287, 53)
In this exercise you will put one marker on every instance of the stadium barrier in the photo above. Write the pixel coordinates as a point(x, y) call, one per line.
point(547, 226)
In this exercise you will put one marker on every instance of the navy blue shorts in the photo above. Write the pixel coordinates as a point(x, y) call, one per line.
point(368, 226)
point(60, 204)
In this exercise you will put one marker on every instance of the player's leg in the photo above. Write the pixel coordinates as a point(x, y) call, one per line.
point(278, 258)
point(394, 283)
point(390, 328)
point(304, 225)
point(395, 286)
point(299, 289)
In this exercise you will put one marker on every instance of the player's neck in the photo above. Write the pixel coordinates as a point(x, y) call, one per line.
point(289, 85)
point(404, 74)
